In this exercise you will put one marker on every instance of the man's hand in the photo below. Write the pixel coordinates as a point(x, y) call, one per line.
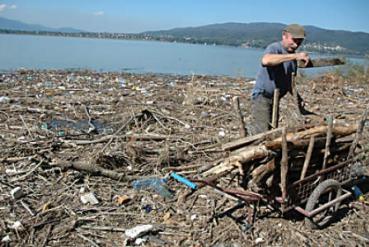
point(303, 56)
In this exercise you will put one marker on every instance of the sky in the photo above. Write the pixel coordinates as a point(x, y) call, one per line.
point(132, 16)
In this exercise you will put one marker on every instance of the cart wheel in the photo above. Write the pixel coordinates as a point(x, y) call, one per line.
point(325, 192)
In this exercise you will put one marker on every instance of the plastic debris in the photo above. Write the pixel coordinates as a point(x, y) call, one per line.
point(157, 184)
point(183, 180)
point(5, 239)
point(16, 193)
point(259, 240)
point(358, 194)
point(121, 199)
point(4, 99)
point(89, 198)
point(221, 133)
point(138, 231)
point(17, 226)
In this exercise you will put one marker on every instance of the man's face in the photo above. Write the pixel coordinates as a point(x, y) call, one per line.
point(290, 43)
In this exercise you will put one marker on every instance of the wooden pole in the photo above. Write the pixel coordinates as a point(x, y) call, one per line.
point(236, 106)
point(358, 134)
point(275, 109)
point(307, 157)
point(284, 168)
point(294, 91)
point(328, 141)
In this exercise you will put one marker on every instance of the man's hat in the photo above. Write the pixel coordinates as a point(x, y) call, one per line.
point(297, 31)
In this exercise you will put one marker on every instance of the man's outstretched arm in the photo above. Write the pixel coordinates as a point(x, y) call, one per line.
point(275, 59)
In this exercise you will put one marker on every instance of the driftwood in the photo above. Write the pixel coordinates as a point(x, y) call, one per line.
point(321, 62)
point(358, 134)
point(236, 106)
point(260, 172)
point(284, 167)
point(263, 150)
point(92, 169)
point(275, 112)
point(247, 140)
point(308, 157)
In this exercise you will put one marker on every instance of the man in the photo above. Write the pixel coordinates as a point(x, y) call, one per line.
point(278, 65)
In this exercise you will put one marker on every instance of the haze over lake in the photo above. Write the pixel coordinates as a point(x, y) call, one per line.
point(46, 52)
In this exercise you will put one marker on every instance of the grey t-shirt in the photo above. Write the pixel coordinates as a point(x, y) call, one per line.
point(271, 77)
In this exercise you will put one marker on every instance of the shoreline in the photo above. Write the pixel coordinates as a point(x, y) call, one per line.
point(117, 73)
point(354, 55)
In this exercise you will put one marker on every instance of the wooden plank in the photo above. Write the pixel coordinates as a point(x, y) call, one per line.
point(321, 62)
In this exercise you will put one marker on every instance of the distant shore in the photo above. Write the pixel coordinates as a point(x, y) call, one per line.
point(145, 37)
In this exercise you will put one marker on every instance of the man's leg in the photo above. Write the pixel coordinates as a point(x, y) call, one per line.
point(261, 114)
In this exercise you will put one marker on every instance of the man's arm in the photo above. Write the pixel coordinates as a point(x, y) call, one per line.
point(275, 59)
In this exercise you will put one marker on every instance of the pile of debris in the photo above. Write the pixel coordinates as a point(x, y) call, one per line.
point(92, 158)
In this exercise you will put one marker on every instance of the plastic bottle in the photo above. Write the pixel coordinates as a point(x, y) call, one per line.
point(157, 184)
point(358, 194)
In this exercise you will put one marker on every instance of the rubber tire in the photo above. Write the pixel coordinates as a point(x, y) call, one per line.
point(314, 198)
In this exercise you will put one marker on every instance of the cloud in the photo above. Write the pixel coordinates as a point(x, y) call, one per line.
point(98, 13)
point(4, 7)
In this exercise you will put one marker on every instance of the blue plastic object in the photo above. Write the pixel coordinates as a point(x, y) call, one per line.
point(183, 180)
point(357, 191)
point(157, 184)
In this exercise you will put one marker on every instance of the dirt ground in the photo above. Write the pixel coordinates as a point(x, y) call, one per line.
point(119, 127)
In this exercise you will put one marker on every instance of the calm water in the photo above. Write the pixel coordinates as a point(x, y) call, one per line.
point(42, 52)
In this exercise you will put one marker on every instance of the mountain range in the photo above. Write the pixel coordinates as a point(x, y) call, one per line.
point(261, 34)
point(9, 24)
point(258, 35)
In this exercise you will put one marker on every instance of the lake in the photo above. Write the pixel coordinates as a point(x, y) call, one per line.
point(46, 52)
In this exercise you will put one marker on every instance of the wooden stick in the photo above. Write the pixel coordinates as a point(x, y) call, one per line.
point(237, 109)
point(261, 171)
point(275, 109)
point(321, 62)
point(103, 228)
point(263, 150)
point(328, 141)
point(307, 157)
point(294, 91)
point(284, 167)
point(246, 140)
point(358, 134)
point(92, 169)
point(25, 125)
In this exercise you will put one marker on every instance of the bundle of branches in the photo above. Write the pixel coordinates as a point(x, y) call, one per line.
point(300, 151)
